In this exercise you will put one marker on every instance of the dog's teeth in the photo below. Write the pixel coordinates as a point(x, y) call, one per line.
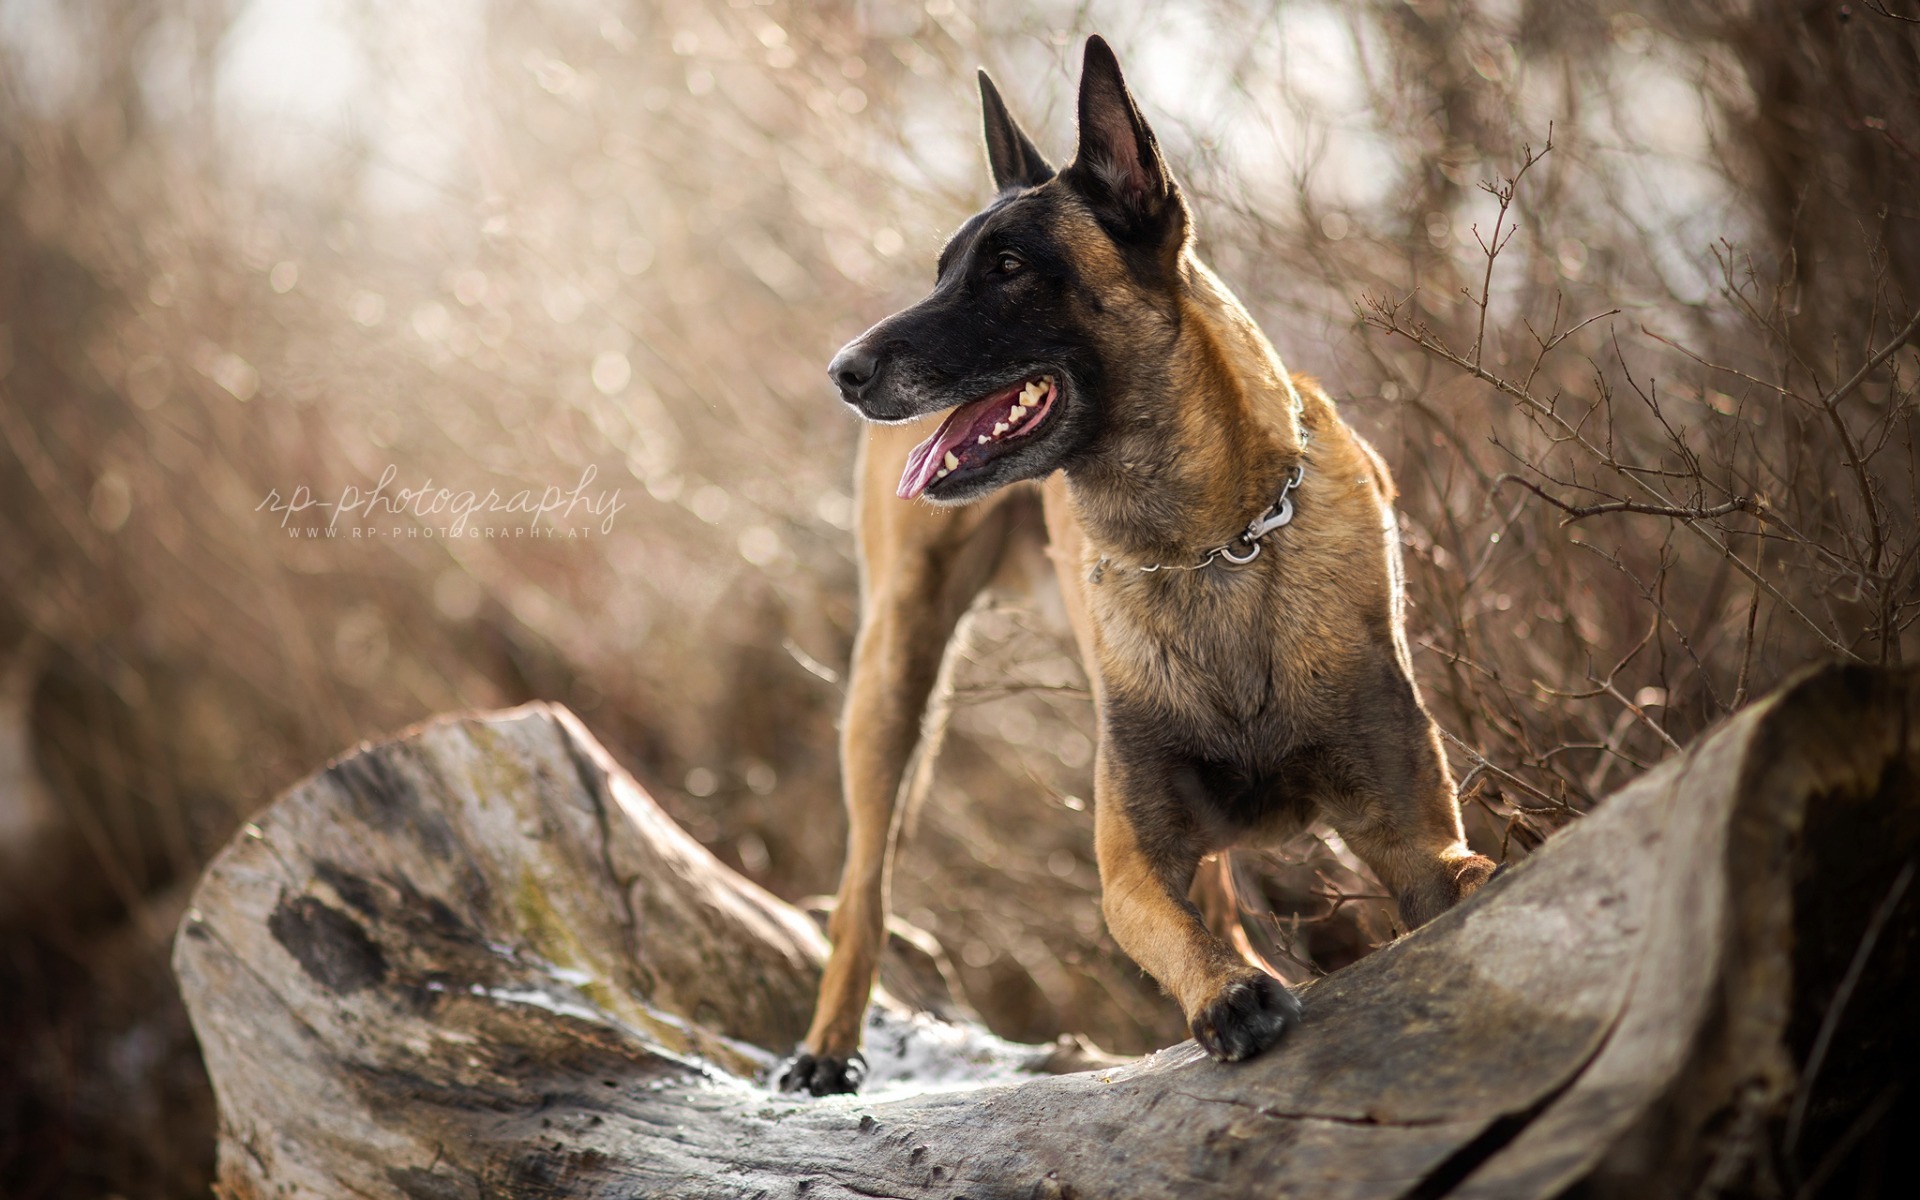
point(999, 429)
point(940, 474)
point(951, 460)
point(1015, 413)
point(984, 439)
point(1029, 399)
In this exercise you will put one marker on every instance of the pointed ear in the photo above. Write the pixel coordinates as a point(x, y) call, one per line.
point(1118, 165)
point(1010, 152)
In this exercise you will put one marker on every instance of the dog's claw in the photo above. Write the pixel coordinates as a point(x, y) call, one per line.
point(823, 1074)
point(1246, 1018)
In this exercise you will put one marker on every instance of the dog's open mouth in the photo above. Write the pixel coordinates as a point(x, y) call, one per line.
point(977, 432)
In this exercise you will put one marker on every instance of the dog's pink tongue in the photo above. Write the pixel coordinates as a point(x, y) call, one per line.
point(959, 433)
point(922, 464)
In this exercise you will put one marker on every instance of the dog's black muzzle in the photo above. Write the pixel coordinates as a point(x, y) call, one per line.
point(867, 373)
point(854, 370)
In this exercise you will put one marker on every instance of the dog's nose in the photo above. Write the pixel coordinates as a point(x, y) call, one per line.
point(853, 369)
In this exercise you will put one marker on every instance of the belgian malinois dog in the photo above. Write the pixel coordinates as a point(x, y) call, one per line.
point(1224, 543)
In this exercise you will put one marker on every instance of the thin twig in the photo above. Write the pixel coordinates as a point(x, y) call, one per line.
point(1481, 761)
point(1579, 512)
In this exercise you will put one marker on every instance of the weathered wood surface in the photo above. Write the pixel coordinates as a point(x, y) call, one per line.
point(478, 961)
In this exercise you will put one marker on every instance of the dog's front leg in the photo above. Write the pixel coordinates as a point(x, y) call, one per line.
point(1396, 807)
point(1147, 864)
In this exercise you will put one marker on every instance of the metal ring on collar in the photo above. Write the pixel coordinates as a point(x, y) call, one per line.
point(1253, 552)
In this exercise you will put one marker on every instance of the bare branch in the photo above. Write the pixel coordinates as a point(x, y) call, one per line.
point(1579, 512)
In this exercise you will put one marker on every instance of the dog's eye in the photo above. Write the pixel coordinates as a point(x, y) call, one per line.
point(1009, 264)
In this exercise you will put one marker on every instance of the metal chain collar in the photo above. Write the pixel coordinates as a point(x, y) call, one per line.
point(1245, 547)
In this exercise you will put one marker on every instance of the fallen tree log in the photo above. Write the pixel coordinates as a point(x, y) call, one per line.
point(478, 961)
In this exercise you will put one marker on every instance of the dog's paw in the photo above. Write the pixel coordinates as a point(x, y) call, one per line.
point(1245, 1018)
point(823, 1074)
point(1472, 874)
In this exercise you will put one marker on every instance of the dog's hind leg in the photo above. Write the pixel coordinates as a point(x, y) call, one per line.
point(920, 570)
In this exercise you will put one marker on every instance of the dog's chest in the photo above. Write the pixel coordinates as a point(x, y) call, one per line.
point(1214, 669)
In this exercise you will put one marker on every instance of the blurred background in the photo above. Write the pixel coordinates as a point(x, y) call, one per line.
point(1654, 436)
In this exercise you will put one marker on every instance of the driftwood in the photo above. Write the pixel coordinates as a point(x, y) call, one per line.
point(478, 961)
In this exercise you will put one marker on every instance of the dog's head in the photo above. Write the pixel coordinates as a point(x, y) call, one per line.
point(1043, 302)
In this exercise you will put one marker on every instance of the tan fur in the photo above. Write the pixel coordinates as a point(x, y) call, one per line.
point(1300, 632)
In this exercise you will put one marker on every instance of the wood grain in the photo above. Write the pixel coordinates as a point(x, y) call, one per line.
point(477, 960)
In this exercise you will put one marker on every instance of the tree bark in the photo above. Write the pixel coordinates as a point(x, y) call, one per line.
point(478, 961)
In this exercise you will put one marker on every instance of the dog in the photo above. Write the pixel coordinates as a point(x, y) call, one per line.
point(1225, 546)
